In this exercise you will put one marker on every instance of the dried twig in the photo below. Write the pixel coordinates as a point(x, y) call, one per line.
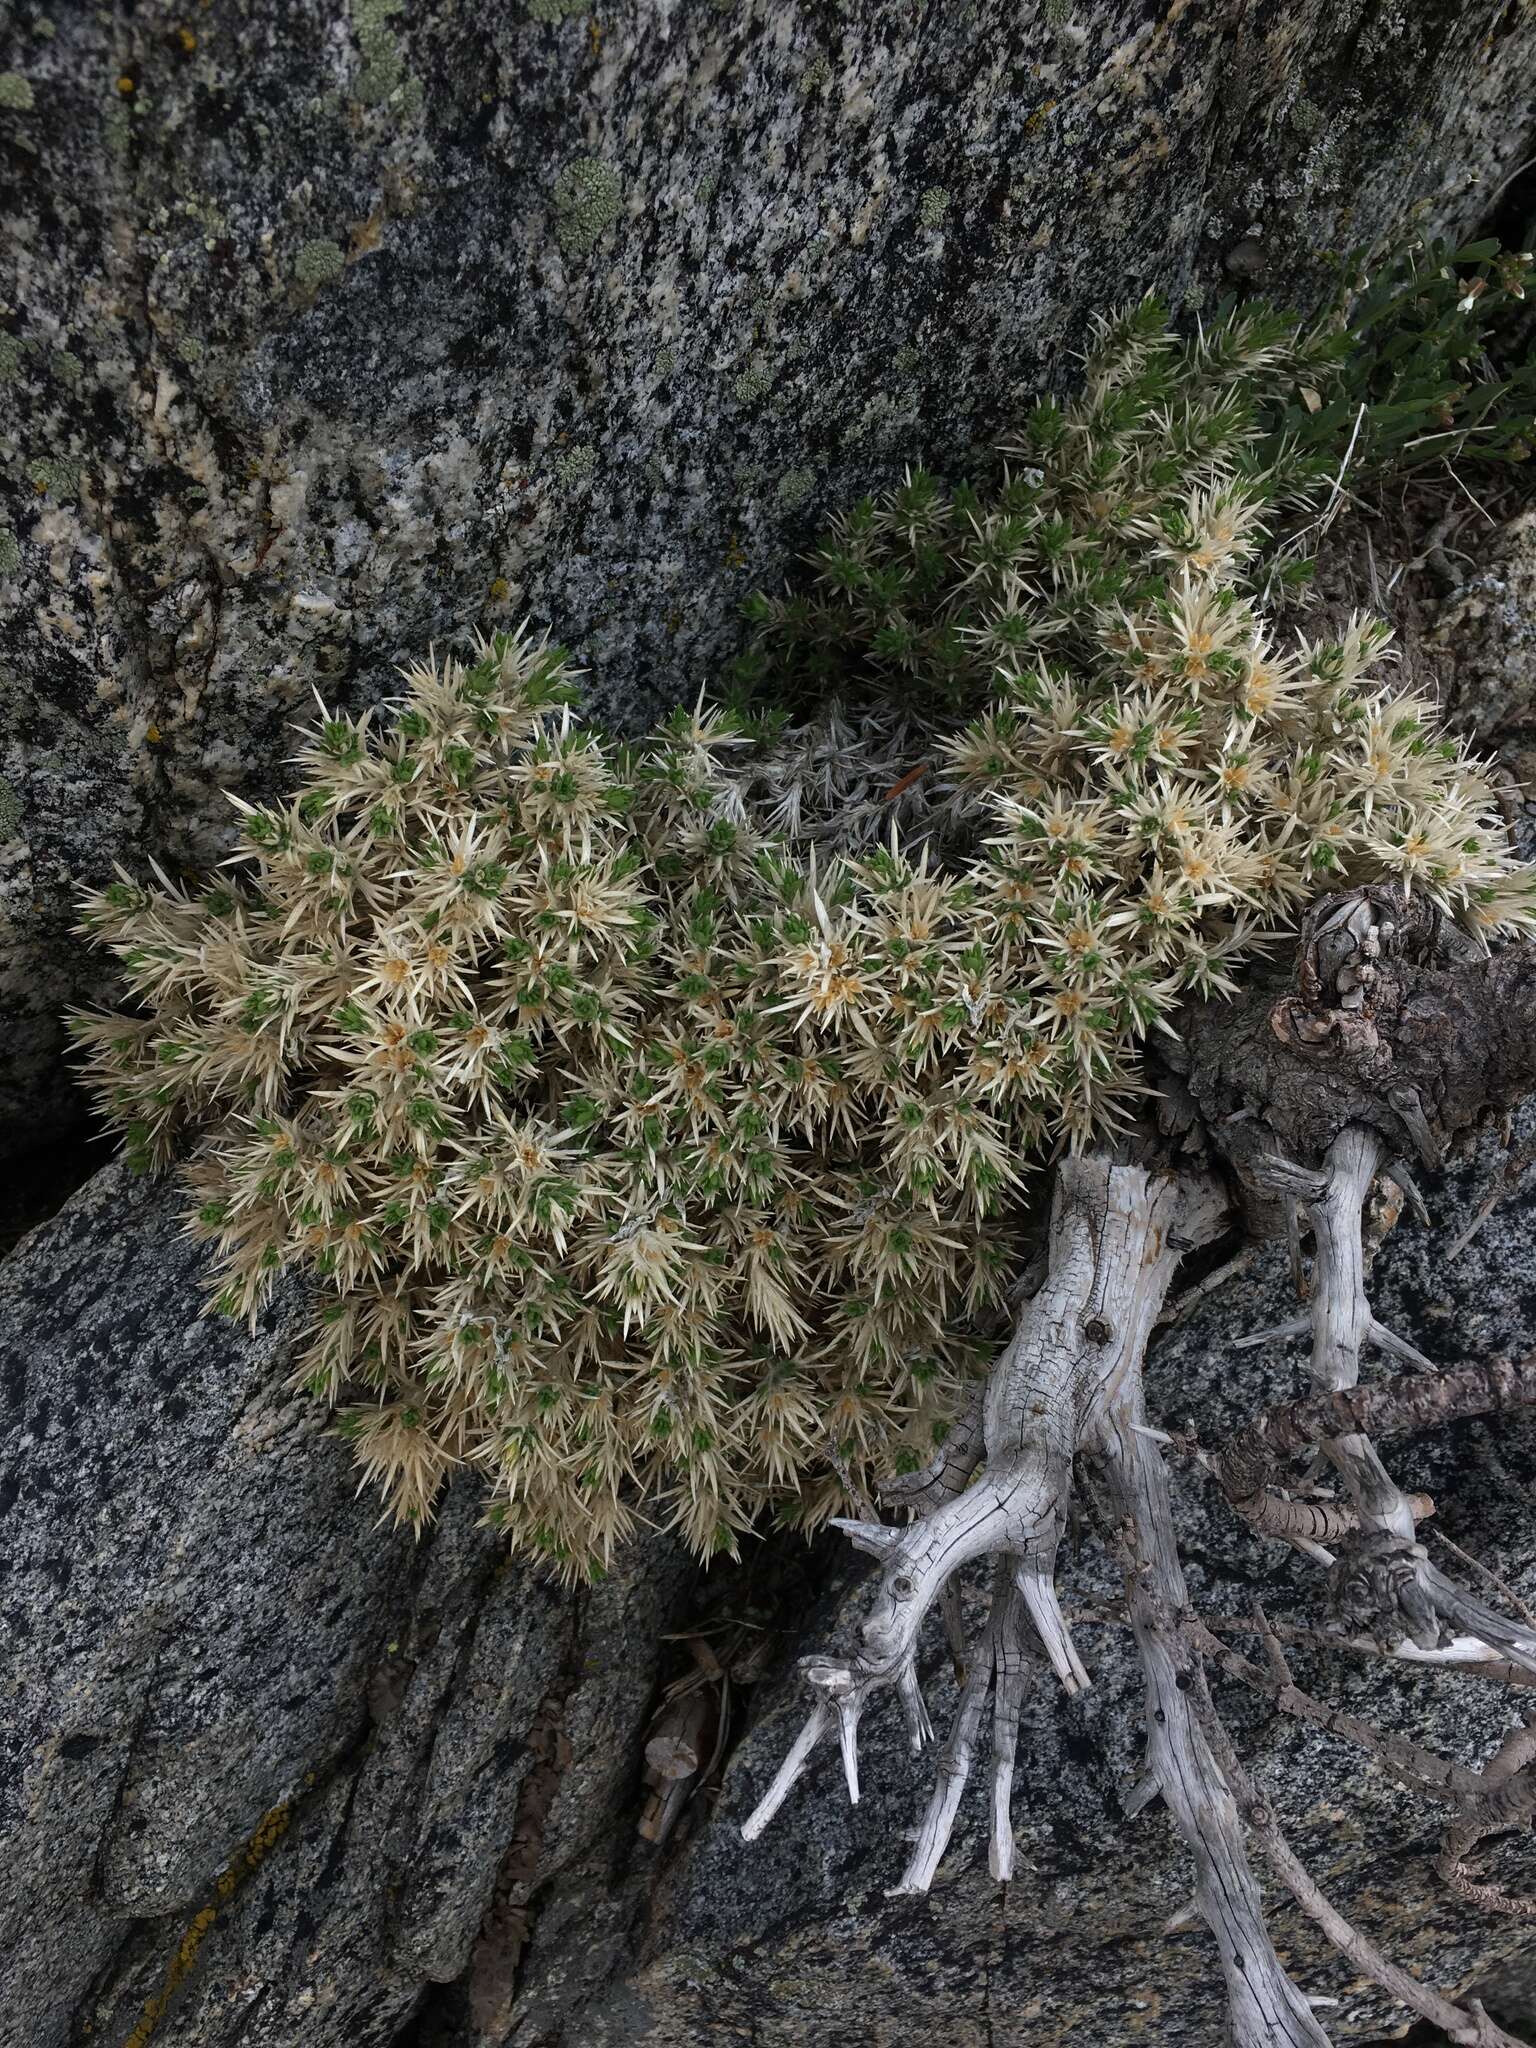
point(1509, 1179)
point(1470, 2026)
point(1384, 1580)
point(1264, 2005)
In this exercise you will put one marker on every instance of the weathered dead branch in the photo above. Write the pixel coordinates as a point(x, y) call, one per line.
point(1312, 1100)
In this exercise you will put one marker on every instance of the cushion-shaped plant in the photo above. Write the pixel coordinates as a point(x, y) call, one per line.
point(661, 1150)
point(479, 1037)
point(642, 1161)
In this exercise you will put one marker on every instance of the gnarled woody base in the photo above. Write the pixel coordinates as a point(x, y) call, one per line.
point(1069, 1382)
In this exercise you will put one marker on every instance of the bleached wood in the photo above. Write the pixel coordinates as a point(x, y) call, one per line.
point(1296, 1327)
point(1422, 1597)
point(1010, 1682)
point(1069, 1380)
point(1469, 2026)
point(798, 1756)
point(1039, 1595)
point(1000, 1649)
point(1112, 1256)
point(1265, 2009)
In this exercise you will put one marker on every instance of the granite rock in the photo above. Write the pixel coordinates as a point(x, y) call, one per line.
point(1483, 641)
point(267, 1771)
point(339, 328)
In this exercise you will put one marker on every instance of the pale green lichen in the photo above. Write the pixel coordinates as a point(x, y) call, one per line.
point(666, 360)
point(10, 811)
point(383, 65)
point(588, 194)
point(57, 475)
point(555, 10)
point(755, 382)
point(816, 73)
point(16, 92)
point(318, 263)
point(795, 486)
point(10, 552)
point(10, 357)
point(907, 361)
point(576, 464)
point(932, 207)
point(875, 420)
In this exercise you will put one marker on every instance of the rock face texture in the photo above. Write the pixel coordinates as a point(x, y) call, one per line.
point(266, 1772)
point(1484, 641)
point(273, 1777)
point(342, 327)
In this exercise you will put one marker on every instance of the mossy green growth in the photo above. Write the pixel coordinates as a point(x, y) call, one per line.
point(318, 263)
point(383, 65)
point(575, 465)
point(1420, 333)
point(16, 92)
point(555, 10)
point(10, 552)
point(755, 382)
point(588, 196)
point(10, 809)
point(932, 207)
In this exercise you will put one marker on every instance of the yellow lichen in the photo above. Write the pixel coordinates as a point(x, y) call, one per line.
point(268, 1831)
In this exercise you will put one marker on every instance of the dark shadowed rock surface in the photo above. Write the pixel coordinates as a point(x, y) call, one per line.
point(276, 1777)
point(341, 327)
point(262, 1763)
point(1484, 642)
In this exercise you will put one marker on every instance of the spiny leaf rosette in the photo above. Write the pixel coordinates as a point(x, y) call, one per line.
point(661, 1158)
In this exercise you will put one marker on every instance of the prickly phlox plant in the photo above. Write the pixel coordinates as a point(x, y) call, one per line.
point(658, 1131)
point(489, 1037)
point(655, 1167)
point(926, 591)
point(1173, 452)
